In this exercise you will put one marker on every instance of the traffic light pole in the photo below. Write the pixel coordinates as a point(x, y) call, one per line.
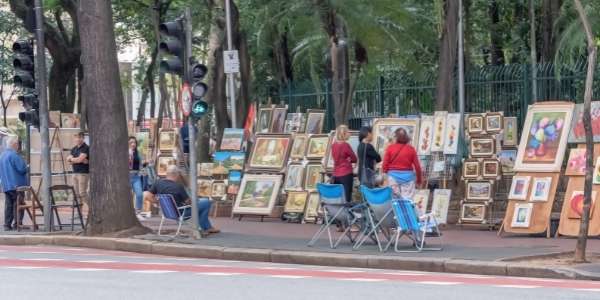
point(230, 80)
point(41, 86)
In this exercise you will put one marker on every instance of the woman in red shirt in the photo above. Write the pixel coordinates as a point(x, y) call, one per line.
point(343, 158)
point(401, 164)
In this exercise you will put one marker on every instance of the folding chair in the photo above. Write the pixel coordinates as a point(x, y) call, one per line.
point(64, 196)
point(336, 209)
point(27, 201)
point(171, 211)
point(380, 216)
point(414, 228)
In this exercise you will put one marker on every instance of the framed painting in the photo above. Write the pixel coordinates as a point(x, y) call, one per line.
point(490, 168)
point(313, 175)
point(54, 119)
point(522, 215)
point(543, 144)
point(510, 131)
point(294, 177)
point(577, 132)
point(479, 190)
point(258, 194)
point(225, 161)
point(314, 121)
point(278, 120)
point(540, 188)
point(69, 120)
point(317, 146)
point(167, 140)
point(507, 161)
point(299, 146)
point(205, 169)
point(471, 169)
point(482, 146)
point(296, 202)
point(473, 212)
point(270, 152)
point(163, 162)
point(441, 202)
point(233, 182)
point(384, 131)
point(596, 179)
point(353, 141)
point(475, 124)
point(294, 122)
point(311, 213)
point(576, 162)
point(421, 200)
point(204, 187)
point(219, 189)
point(519, 188)
point(232, 139)
point(493, 122)
point(144, 143)
point(439, 132)
point(575, 210)
point(263, 123)
point(425, 135)
point(452, 133)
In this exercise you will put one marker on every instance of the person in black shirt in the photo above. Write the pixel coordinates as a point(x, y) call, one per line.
point(79, 160)
point(367, 158)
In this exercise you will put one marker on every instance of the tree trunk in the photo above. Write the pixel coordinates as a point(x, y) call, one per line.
point(111, 206)
point(495, 34)
point(142, 108)
point(581, 246)
point(550, 13)
point(447, 61)
point(164, 98)
point(283, 59)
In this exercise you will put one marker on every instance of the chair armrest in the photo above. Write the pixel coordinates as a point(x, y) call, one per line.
point(183, 207)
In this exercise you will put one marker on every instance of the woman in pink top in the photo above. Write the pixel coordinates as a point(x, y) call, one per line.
point(343, 158)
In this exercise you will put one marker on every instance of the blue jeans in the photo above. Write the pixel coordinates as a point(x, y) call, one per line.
point(203, 211)
point(135, 181)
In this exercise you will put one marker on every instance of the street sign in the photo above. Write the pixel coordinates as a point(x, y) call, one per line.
point(185, 98)
point(231, 61)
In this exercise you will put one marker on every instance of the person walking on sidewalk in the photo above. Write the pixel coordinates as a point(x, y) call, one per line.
point(343, 158)
point(135, 178)
point(79, 160)
point(401, 164)
point(13, 174)
point(368, 157)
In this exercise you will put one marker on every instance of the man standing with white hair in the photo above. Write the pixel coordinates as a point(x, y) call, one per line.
point(13, 174)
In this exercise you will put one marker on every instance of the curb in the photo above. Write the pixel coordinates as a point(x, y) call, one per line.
point(440, 265)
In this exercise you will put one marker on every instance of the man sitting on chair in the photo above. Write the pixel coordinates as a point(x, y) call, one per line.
point(171, 185)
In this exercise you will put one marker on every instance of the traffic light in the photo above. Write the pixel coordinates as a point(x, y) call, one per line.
point(199, 109)
point(199, 88)
point(24, 64)
point(172, 46)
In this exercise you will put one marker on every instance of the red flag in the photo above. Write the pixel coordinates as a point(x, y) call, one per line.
point(249, 126)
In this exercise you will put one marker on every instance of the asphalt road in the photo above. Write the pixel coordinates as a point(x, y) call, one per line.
point(44, 272)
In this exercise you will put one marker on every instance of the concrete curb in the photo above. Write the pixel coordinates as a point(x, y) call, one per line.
point(495, 268)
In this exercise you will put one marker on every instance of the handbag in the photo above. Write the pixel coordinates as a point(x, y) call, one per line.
point(367, 176)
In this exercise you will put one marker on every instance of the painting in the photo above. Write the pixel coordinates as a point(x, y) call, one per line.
point(479, 190)
point(482, 146)
point(270, 152)
point(167, 140)
point(439, 132)
point(225, 161)
point(218, 189)
point(204, 187)
point(294, 123)
point(540, 189)
point(421, 200)
point(473, 212)
point(522, 215)
point(162, 163)
point(577, 132)
point(299, 146)
point(441, 202)
point(510, 131)
point(317, 146)
point(519, 188)
point(493, 122)
point(452, 133)
point(544, 139)
point(475, 124)
point(296, 202)
point(312, 207)
point(313, 176)
point(471, 168)
point(54, 119)
point(576, 162)
point(384, 131)
point(144, 143)
point(507, 161)
point(264, 119)
point(278, 120)
point(69, 120)
point(233, 182)
point(490, 168)
point(425, 135)
point(576, 205)
point(596, 178)
point(232, 139)
point(294, 177)
point(314, 121)
point(258, 194)
point(353, 141)
point(205, 169)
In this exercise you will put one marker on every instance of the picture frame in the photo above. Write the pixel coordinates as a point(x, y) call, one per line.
point(479, 190)
point(483, 146)
point(421, 200)
point(439, 131)
point(490, 168)
point(219, 189)
point(294, 123)
point(575, 209)
point(384, 132)
point(519, 188)
point(270, 152)
point(475, 124)
point(311, 213)
point(317, 146)
point(577, 131)
point(295, 202)
point(312, 176)
point(299, 146)
point(278, 118)
point(493, 122)
point(540, 189)
point(263, 123)
point(167, 140)
point(440, 205)
point(471, 169)
point(522, 215)
point(510, 133)
point(257, 194)
point(163, 162)
point(596, 178)
point(294, 177)
point(576, 163)
point(205, 169)
point(204, 188)
point(451, 135)
point(145, 143)
point(225, 161)
point(234, 179)
point(543, 144)
point(507, 161)
point(232, 140)
point(315, 121)
point(473, 212)
point(70, 120)
point(425, 135)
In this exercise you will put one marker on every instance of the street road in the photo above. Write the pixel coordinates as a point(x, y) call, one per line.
point(48, 272)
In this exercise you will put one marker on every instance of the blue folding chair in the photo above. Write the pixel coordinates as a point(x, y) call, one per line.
point(336, 210)
point(171, 211)
point(380, 217)
point(415, 228)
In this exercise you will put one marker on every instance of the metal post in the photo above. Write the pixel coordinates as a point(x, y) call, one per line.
point(533, 50)
point(41, 87)
point(230, 79)
point(461, 73)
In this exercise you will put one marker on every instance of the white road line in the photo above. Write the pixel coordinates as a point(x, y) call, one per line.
point(154, 271)
point(288, 276)
point(43, 259)
point(439, 282)
point(217, 274)
point(26, 268)
point(514, 286)
point(364, 279)
point(88, 269)
point(97, 261)
point(588, 290)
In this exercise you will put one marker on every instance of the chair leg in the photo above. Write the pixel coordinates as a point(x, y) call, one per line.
point(324, 227)
point(162, 220)
point(180, 222)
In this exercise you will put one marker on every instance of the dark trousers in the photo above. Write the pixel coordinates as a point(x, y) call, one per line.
point(347, 181)
point(10, 204)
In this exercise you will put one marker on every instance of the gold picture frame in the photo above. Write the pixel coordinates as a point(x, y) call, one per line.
point(163, 162)
point(167, 140)
point(294, 177)
point(475, 124)
point(315, 121)
point(299, 146)
point(312, 176)
point(295, 202)
point(490, 168)
point(278, 118)
point(270, 152)
point(471, 169)
point(257, 194)
point(317, 146)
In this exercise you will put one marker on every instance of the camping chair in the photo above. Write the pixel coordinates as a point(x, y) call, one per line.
point(414, 228)
point(171, 211)
point(380, 217)
point(64, 196)
point(336, 210)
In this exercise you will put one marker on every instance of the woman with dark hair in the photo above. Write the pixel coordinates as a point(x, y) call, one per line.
point(135, 179)
point(367, 158)
point(401, 164)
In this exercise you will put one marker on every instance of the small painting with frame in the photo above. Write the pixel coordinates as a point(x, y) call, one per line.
point(471, 169)
point(490, 168)
point(296, 202)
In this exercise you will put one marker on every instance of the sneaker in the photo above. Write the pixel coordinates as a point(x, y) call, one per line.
point(140, 217)
point(212, 230)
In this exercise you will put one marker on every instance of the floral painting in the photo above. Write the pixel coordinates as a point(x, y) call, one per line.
point(452, 133)
point(421, 200)
point(441, 202)
point(439, 131)
point(425, 135)
point(576, 205)
point(577, 132)
point(576, 162)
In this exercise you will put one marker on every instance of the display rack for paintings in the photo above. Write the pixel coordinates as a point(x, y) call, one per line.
point(57, 163)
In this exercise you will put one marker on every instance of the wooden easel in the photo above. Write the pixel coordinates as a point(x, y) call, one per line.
point(55, 138)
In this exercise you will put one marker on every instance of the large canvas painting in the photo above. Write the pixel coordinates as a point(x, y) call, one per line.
point(451, 135)
point(232, 139)
point(257, 195)
point(577, 132)
point(439, 131)
point(270, 152)
point(384, 132)
point(441, 202)
point(544, 139)
point(425, 135)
